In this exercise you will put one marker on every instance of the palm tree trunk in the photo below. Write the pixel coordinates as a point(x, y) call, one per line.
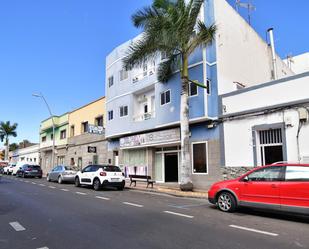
point(6, 154)
point(185, 168)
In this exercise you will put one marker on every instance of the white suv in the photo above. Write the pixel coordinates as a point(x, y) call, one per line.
point(100, 176)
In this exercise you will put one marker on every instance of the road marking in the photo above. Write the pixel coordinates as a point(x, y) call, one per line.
point(80, 193)
point(103, 198)
point(132, 204)
point(64, 189)
point(27, 181)
point(51, 187)
point(42, 185)
point(17, 226)
point(33, 182)
point(254, 230)
point(179, 214)
point(43, 247)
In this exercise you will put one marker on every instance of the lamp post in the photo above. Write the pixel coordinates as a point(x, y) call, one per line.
point(40, 95)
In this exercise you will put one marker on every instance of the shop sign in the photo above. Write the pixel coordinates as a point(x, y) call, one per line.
point(92, 149)
point(147, 139)
point(93, 129)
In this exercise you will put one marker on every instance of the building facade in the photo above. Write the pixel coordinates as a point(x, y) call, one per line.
point(86, 141)
point(143, 114)
point(272, 126)
point(46, 141)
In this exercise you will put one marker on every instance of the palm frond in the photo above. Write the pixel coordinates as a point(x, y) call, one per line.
point(204, 36)
point(167, 67)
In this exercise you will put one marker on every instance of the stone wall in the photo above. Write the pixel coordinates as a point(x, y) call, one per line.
point(233, 172)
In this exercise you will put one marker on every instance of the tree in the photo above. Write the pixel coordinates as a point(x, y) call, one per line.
point(172, 27)
point(7, 130)
point(13, 146)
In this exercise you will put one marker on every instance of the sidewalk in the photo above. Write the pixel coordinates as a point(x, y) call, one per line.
point(170, 189)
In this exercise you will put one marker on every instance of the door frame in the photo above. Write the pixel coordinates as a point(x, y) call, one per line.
point(256, 147)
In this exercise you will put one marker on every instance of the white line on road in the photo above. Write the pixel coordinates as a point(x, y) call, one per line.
point(43, 248)
point(33, 182)
point(43, 185)
point(51, 187)
point(133, 204)
point(103, 198)
point(254, 230)
point(80, 193)
point(27, 181)
point(17, 226)
point(179, 214)
point(64, 189)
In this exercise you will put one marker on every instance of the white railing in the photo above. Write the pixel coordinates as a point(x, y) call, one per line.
point(143, 75)
point(144, 116)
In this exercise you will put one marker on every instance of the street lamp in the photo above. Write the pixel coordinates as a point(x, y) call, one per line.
point(40, 95)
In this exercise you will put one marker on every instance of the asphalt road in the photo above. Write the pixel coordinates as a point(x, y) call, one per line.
point(37, 214)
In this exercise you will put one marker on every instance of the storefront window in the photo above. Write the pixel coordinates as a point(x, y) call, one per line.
point(135, 162)
point(199, 158)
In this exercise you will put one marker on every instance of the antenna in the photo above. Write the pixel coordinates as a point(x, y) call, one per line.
point(289, 60)
point(249, 6)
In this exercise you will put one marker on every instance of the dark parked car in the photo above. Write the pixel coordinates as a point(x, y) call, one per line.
point(28, 170)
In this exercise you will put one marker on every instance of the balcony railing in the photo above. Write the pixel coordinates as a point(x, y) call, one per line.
point(143, 75)
point(144, 116)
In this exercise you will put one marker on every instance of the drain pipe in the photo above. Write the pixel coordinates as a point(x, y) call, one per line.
point(273, 53)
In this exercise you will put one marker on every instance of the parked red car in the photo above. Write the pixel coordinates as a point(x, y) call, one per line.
point(279, 186)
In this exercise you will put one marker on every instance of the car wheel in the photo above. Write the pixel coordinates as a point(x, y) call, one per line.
point(23, 175)
point(96, 184)
point(226, 202)
point(60, 180)
point(47, 178)
point(77, 183)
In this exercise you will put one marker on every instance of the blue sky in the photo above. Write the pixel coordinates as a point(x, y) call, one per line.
point(58, 47)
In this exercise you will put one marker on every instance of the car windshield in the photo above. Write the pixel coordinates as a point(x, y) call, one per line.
point(35, 166)
point(68, 168)
point(110, 168)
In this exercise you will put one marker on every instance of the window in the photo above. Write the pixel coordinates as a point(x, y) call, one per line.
point(208, 86)
point(110, 115)
point(123, 74)
point(99, 121)
point(166, 97)
point(110, 81)
point(266, 174)
point(44, 139)
point(297, 173)
point(199, 160)
point(85, 127)
point(145, 68)
point(192, 89)
point(123, 110)
point(63, 134)
point(72, 131)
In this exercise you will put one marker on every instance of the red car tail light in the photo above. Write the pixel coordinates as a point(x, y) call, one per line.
point(103, 173)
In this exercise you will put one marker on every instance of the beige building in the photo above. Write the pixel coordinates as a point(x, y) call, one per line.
point(86, 142)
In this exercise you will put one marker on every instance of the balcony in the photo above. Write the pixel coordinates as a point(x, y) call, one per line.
point(143, 75)
point(144, 116)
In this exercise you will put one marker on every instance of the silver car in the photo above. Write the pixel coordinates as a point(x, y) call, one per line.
point(61, 174)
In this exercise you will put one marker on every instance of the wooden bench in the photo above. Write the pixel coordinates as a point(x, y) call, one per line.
point(140, 178)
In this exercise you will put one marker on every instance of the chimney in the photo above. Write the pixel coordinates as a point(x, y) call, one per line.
point(273, 53)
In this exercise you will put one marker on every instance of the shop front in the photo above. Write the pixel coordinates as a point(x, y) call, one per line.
point(156, 154)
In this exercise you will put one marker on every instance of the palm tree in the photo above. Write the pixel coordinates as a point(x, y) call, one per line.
point(172, 27)
point(7, 130)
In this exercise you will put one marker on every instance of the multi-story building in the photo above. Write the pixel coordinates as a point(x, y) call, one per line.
point(86, 142)
point(143, 114)
point(46, 141)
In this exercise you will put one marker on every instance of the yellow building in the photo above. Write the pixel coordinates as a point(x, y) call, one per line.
point(86, 142)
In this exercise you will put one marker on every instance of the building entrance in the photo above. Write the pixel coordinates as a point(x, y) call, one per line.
point(171, 167)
